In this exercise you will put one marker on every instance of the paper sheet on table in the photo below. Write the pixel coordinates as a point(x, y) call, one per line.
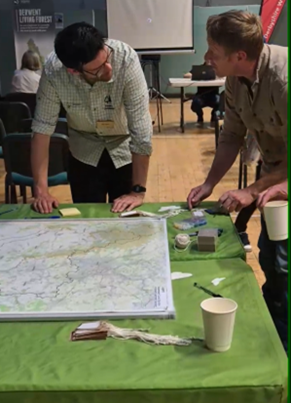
point(216, 281)
point(179, 275)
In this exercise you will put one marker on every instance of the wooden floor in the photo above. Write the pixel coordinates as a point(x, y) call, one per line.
point(180, 162)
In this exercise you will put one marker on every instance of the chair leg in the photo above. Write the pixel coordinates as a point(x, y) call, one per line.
point(216, 128)
point(13, 197)
point(258, 170)
point(245, 176)
point(240, 173)
point(24, 196)
point(32, 192)
point(7, 193)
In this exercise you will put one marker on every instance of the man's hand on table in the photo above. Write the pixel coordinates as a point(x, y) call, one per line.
point(43, 202)
point(276, 192)
point(127, 202)
point(198, 194)
point(236, 200)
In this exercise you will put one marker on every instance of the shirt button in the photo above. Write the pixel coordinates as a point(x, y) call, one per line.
point(267, 151)
point(240, 109)
point(272, 120)
point(254, 114)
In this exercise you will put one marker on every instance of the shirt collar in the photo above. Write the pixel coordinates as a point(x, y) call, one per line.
point(261, 66)
point(262, 63)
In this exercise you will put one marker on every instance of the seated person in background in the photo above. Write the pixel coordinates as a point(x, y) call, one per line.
point(205, 96)
point(26, 80)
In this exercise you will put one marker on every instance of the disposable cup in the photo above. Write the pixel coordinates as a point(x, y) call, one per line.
point(218, 319)
point(276, 217)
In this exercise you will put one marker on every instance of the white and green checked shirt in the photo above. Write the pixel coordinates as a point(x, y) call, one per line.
point(123, 100)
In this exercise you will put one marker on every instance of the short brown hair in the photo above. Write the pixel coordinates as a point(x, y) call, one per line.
point(31, 61)
point(237, 30)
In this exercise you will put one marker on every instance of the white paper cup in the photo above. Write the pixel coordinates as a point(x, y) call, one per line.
point(276, 217)
point(218, 318)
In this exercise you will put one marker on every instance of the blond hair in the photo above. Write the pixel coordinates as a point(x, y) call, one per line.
point(31, 61)
point(237, 31)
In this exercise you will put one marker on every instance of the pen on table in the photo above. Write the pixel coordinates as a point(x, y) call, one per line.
point(209, 292)
point(43, 218)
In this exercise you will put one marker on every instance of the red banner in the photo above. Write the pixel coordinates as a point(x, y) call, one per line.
point(271, 10)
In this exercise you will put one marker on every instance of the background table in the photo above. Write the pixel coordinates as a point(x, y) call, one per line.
point(40, 365)
point(183, 83)
point(229, 245)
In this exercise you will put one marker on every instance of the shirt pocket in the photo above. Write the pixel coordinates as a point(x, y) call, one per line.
point(249, 118)
point(74, 106)
point(78, 115)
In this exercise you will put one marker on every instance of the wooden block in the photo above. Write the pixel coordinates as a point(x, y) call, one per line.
point(70, 212)
point(207, 239)
point(208, 236)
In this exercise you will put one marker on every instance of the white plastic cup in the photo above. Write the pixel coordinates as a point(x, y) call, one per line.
point(218, 318)
point(276, 217)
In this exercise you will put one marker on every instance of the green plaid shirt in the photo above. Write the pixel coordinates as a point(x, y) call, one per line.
point(123, 100)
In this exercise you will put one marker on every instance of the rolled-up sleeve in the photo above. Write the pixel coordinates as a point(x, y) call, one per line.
point(234, 130)
point(47, 109)
point(136, 103)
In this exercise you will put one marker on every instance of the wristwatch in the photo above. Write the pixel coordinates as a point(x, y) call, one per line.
point(138, 189)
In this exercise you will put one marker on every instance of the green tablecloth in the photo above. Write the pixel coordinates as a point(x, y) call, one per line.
point(40, 365)
point(229, 245)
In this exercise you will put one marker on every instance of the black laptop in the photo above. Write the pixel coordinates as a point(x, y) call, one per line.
point(202, 72)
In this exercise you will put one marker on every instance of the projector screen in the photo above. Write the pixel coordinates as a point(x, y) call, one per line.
point(152, 26)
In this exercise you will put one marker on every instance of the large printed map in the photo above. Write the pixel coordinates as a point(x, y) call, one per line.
point(84, 269)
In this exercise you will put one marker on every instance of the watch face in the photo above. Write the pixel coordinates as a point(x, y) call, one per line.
point(138, 189)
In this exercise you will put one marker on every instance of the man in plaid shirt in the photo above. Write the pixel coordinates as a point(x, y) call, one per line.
point(102, 87)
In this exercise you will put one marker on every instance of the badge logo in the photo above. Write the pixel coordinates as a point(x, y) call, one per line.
point(108, 102)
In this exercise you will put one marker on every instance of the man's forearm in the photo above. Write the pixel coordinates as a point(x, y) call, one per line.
point(269, 180)
point(140, 167)
point(223, 161)
point(39, 160)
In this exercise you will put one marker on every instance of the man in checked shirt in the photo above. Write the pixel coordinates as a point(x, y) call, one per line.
point(103, 90)
point(255, 100)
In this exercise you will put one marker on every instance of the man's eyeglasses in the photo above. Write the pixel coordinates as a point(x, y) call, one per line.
point(98, 72)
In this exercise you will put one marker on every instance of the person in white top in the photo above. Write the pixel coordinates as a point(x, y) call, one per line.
point(26, 80)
